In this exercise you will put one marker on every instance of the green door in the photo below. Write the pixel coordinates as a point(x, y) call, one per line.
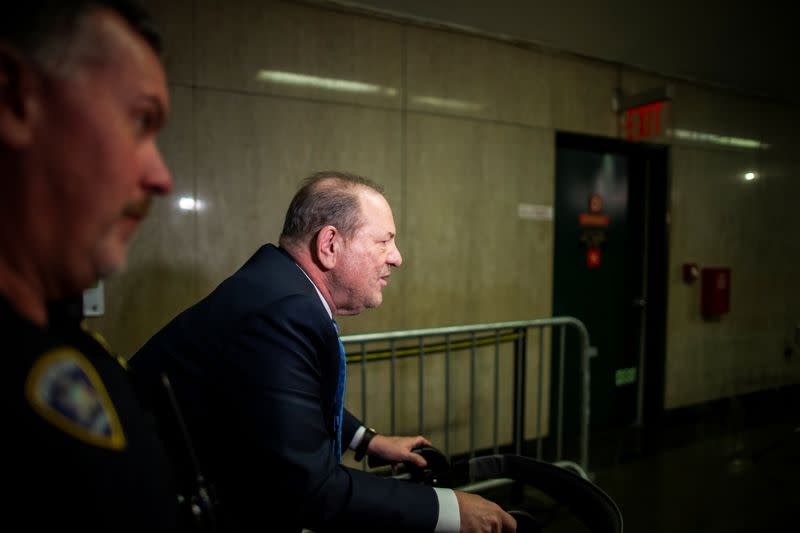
point(601, 252)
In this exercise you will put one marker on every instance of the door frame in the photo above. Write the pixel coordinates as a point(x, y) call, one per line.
point(653, 161)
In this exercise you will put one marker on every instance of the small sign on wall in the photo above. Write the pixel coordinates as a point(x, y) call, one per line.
point(94, 300)
point(535, 212)
point(593, 257)
point(625, 376)
point(593, 233)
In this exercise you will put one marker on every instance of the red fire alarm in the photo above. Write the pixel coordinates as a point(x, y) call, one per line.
point(716, 291)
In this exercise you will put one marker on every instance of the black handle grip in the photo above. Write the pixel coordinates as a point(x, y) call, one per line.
point(436, 473)
point(429, 453)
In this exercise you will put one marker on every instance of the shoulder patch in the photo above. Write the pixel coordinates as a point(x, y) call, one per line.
point(64, 388)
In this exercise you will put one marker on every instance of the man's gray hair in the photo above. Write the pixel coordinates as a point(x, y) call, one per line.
point(327, 198)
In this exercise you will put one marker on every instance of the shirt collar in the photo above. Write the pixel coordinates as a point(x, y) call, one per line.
point(327, 307)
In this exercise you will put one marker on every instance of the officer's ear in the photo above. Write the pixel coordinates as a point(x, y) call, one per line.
point(19, 86)
point(328, 243)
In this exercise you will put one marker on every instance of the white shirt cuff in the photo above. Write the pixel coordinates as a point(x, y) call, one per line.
point(449, 515)
point(357, 437)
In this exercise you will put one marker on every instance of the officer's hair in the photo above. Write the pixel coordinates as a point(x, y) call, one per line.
point(325, 198)
point(40, 29)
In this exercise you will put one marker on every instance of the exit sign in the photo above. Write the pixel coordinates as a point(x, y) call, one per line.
point(642, 114)
point(643, 122)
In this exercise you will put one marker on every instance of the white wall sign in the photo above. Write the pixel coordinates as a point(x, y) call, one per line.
point(94, 300)
point(535, 212)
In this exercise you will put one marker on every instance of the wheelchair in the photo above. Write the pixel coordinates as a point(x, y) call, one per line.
point(542, 497)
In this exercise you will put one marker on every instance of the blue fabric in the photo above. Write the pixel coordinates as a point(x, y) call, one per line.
point(339, 400)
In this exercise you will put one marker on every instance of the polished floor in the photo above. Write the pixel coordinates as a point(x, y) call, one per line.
point(734, 468)
point(729, 467)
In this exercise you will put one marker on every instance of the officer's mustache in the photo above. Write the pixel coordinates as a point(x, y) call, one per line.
point(138, 209)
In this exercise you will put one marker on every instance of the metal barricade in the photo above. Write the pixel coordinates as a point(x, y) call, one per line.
point(450, 343)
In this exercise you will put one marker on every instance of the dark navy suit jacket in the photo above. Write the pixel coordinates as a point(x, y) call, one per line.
point(254, 369)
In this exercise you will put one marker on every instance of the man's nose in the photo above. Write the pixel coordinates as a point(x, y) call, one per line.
point(395, 259)
point(157, 178)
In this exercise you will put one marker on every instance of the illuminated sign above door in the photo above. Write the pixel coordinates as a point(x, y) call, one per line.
point(643, 122)
point(642, 114)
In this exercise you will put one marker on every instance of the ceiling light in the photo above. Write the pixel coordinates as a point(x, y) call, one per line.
point(317, 82)
point(447, 103)
point(190, 204)
point(713, 138)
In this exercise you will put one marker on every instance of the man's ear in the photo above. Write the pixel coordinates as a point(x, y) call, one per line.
point(18, 93)
point(327, 245)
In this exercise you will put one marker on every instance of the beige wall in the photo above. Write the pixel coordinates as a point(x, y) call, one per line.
point(460, 130)
point(719, 219)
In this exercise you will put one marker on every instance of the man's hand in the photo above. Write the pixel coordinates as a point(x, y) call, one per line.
point(398, 449)
point(479, 514)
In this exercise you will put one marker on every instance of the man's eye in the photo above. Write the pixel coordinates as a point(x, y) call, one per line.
point(143, 123)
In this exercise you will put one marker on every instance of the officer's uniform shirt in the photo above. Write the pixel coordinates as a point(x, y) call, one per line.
point(84, 455)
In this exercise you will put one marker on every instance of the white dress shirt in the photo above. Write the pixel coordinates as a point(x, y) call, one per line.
point(449, 520)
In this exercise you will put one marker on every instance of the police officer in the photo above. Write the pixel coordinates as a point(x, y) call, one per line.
point(82, 96)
